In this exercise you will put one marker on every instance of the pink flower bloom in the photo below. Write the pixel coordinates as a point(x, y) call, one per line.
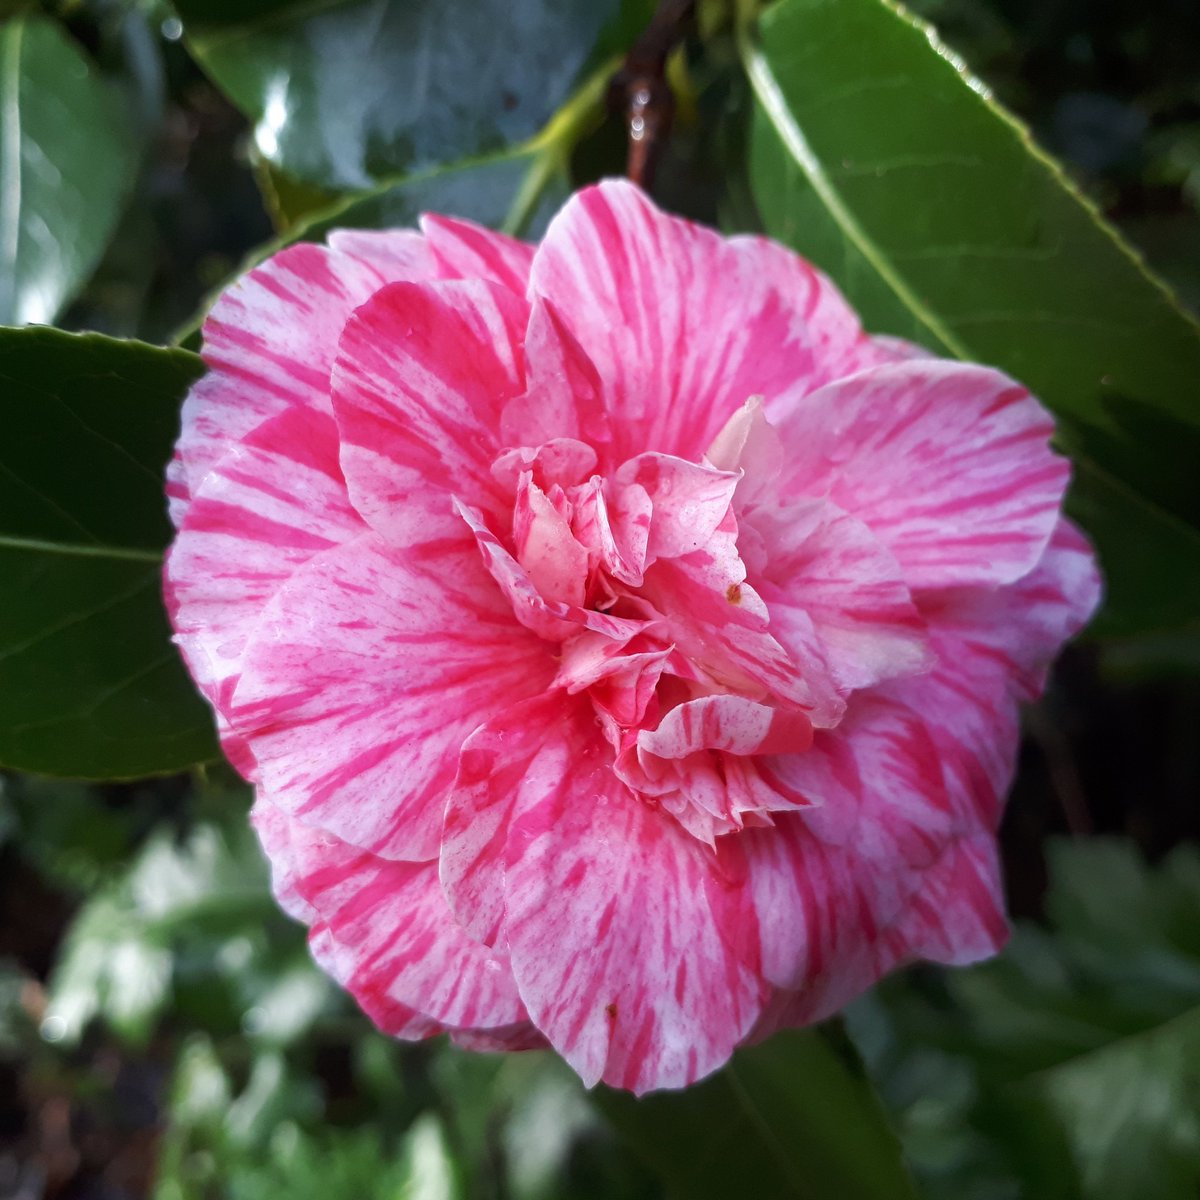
point(625, 646)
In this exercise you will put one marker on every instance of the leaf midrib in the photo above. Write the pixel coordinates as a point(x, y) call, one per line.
point(80, 550)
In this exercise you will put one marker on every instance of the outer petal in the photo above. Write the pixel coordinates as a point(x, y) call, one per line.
point(827, 883)
point(391, 938)
point(464, 250)
point(368, 671)
point(516, 1037)
point(422, 374)
point(635, 949)
point(949, 464)
point(497, 761)
point(274, 829)
point(683, 325)
point(400, 1020)
point(956, 916)
point(633, 946)
point(276, 499)
point(1023, 627)
point(270, 342)
point(179, 495)
point(395, 253)
point(993, 648)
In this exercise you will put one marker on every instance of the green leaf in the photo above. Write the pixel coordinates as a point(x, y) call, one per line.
point(1076, 1051)
point(109, 967)
point(793, 1117)
point(120, 955)
point(70, 834)
point(876, 155)
point(346, 94)
point(1131, 1112)
point(90, 684)
point(67, 163)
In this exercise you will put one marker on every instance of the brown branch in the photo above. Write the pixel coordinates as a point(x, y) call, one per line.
point(640, 91)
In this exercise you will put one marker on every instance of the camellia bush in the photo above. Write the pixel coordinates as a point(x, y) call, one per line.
point(599, 598)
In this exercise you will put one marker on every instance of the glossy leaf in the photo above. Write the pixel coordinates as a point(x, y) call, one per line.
point(90, 684)
point(876, 155)
point(345, 94)
point(66, 166)
point(793, 1117)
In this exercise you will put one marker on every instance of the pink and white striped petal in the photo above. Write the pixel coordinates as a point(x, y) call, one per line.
point(391, 938)
point(1022, 627)
point(555, 620)
point(688, 501)
point(615, 528)
point(827, 882)
point(276, 499)
point(728, 723)
point(395, 254)
point(557, 565)
point(683, 325)
point(620, 677)
point(516, 1037)
point(827, 574)
point(720, 623)
point(562, 399)
point(368, 671)
point(562, 461)
point(422, 374)
point(179, 495)
point(749, 443)
point(464, 250)
point(993, 647)
point(274, 829)
point(635, 948)
point(957, 915)
point(949, 464)
point(269, 342)
point(499, 763)
point(398, 1020)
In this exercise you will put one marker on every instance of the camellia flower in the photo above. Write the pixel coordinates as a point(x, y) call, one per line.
point(626, 648)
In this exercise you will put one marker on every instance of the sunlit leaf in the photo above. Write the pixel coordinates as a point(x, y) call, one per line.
point(66, 166)
point(345, 94)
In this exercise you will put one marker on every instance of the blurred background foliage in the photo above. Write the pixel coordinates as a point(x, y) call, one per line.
point(162, 1030)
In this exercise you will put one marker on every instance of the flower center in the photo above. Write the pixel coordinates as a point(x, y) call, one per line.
point(637, 578)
